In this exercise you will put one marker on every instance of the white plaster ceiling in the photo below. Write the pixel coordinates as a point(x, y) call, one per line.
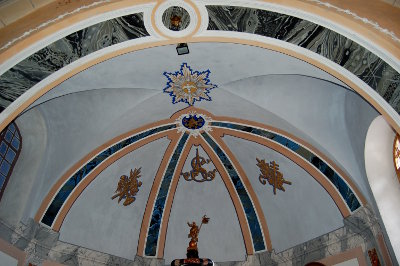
point(99, 223)
point(193, 200)
point(287, 227)
point(125, 93)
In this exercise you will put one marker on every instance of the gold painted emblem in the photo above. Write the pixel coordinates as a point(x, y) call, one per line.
point(197, 169)
point(128, 187)
point(270, 172)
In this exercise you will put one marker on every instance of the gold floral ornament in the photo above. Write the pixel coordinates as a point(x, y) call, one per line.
point(197, 169)
point(194, 233)
point(270, 172)
point(128, 187)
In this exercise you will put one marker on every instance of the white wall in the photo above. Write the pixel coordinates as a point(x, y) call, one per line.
point(382, 177)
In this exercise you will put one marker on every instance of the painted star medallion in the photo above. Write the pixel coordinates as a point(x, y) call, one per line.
point(188, 86)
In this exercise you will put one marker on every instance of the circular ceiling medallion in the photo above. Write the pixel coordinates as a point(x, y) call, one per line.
point(176, 18)
point(396, 155)
point(193, 123)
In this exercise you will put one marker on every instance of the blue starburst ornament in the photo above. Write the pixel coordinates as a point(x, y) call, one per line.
point(188, 86)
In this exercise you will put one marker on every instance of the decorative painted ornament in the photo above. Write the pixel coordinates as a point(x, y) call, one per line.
point(193, 123)
point(198, 170)
point(270, 172)
point(128, 187)
point(188, 86)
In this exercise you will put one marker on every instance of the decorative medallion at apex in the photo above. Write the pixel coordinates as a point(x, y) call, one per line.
point(271, 173)
point(176, 18)
point(128, 187)
point(193, 123)
point(188, 86)
point(197, 168)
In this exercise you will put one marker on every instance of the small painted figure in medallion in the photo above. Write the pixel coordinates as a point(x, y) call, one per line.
point(128, 187)
point(193, 122)
point(271, 173)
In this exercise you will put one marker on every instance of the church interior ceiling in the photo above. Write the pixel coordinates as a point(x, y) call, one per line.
point(130, 148)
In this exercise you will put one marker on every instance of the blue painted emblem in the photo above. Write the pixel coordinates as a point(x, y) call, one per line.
point(188, 86)
point(193, 122)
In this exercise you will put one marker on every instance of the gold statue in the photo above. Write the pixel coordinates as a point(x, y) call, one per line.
point(194, 232)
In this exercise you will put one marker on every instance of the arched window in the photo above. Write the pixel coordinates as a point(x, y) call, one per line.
point(10, 148)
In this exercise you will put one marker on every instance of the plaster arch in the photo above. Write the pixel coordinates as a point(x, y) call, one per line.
point(47, 84)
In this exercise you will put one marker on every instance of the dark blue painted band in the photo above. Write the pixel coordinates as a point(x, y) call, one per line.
point(156, 217)
point(252, 220)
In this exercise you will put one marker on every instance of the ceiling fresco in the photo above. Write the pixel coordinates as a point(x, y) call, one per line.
point(130, 149)
point(207, 118)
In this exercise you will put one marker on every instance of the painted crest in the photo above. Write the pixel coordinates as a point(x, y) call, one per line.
point(188, 86)
point(193, 123)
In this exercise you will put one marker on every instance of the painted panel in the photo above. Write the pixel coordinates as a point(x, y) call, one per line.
point(97, 222)
point(334, 119)
point(77, 177)
point(293, 216)
point(221, 239)
point(252, 220)
point(158, 209)
point(344, 190)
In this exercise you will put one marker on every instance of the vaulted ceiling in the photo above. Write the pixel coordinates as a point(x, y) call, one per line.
point(286, 91)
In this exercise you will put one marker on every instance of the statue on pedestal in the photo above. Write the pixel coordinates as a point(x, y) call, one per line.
point(192, 251)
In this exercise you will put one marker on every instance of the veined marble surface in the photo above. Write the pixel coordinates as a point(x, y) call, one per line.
point(367, 66)
point(364, 64)
point(55, 56)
